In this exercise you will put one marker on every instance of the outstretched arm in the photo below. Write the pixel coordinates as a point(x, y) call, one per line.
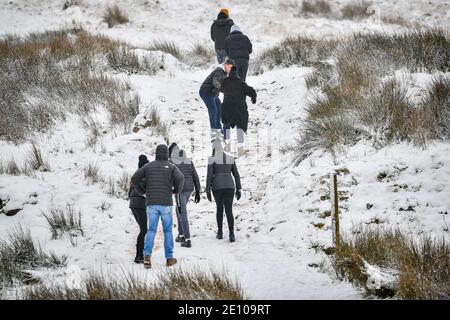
point(196, 179)
point(178, 180)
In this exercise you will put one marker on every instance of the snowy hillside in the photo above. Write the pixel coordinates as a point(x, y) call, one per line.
point(284, 214)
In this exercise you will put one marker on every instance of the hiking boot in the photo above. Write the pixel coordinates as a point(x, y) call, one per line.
point(139, 259)
point(179, 238)
point(171, 262)
point(186, 244)
point(232, 237)
point(147, 262)
point(219, 234)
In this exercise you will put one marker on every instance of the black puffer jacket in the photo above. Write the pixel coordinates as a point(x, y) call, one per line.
point(221, 170)
point(137, 201)
point(213, 81)
point(161, 177)
point(234, 108)
point(220, 29)
point(187, 168)
point(238, 46)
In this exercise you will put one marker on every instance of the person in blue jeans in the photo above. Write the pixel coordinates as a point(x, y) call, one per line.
point(162, 179)
point(209, 92)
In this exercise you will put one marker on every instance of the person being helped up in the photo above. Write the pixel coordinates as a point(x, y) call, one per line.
point(162, 178)
point(191, 182)
point(209, 92)
point(138, 208)
point(220, 29)
point(238, 47)
point(219, 180)
point(234, 108)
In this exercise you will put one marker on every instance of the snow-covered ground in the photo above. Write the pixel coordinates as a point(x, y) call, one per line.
point(279, 218)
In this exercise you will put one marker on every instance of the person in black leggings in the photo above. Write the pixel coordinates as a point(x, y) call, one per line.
point(219, 179)
point(137, 206)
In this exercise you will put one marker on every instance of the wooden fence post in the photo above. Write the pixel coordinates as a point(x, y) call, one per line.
point(335, 210)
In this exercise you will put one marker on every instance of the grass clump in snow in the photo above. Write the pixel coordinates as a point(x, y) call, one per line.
point(355, 10)
point(294, 50)
point(315, 7)
point(35, 160)
point(125, 60)
point(199, 55)
point(19, 254)
point(62, 220)
point(420, 268)
point(168, 47)
point(359, 98)
point(56, 73)
point(114, 16)
point(173, 284)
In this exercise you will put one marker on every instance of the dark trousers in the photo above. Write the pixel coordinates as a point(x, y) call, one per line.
point(140, 214)
point(182, 218)
point(242, 65)
point(224, 199)
point(213, 105)
point(221, 55)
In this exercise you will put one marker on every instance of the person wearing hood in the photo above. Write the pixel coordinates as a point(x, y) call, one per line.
point(137, 206)
point(234, 111)
point(162, 179)
point(178, 157)
point(220, 29)
point(238, 47)
point(219, 179)
point(209, 92)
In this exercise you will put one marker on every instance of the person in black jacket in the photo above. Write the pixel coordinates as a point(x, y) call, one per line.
point(221, 170)
point(220, 29)
point(209, 92)
point(234, 111)
point(162, 179)
point(191, 182)
point(137, 206)
point(238, 47)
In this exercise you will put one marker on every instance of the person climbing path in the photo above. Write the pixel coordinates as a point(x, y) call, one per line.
point(238, 47)
point(220, 29)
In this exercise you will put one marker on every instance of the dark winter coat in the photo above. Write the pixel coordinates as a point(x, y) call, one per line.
point(238, 46)
point(137, 201)
point(221, 170)
point(220, 29)
point(187, 168)
point(234, 108)
point(162, 178)
point(213, 81)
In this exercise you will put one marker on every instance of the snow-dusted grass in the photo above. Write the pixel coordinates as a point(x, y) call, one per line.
point(38, 65)
point(294, 50)
point(316, 7)
point(62, 220)
point(125, 60)
point(355, 9)
point(360, 98)
point(421, 266)
point(19, 254)
point(174, 284)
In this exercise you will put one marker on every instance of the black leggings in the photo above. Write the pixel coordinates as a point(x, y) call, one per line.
point(224, 198)
point(140, 214)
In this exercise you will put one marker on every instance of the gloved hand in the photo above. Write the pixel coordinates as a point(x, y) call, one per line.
point(197, 197)
point(208, 195)
point(253, 100)
point(238, 194)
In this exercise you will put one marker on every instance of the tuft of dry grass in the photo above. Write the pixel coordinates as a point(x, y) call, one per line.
point(167, 47)
point(115, 16)
point(422, 265)
point(64, 220)
point(356, 9)
point(317, 7)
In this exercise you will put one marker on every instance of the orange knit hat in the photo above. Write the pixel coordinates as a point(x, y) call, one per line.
point(225, 11)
